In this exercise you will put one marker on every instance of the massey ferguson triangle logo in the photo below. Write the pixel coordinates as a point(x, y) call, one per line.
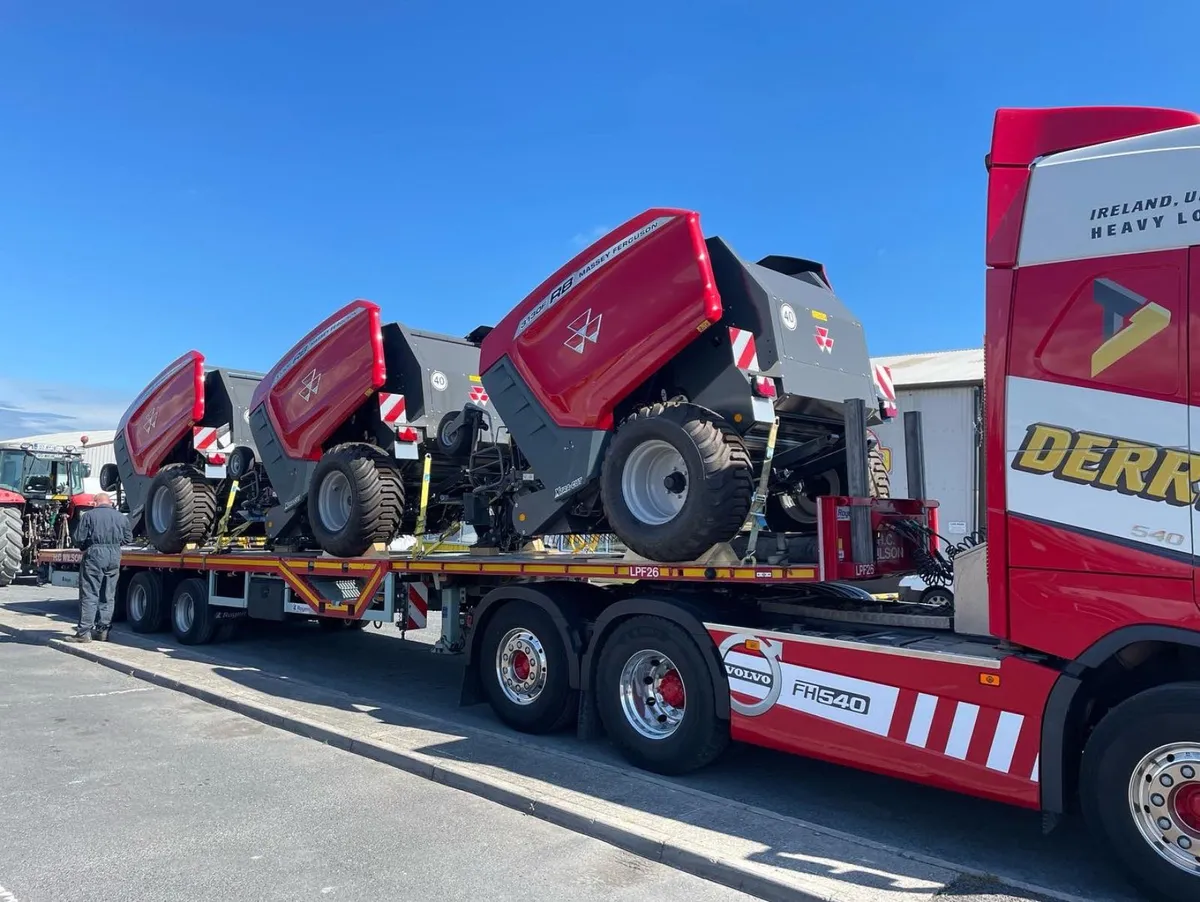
point(823, 339)
point(310, 384)
point(584, 328)
point(1130, 321)
point(151, 421)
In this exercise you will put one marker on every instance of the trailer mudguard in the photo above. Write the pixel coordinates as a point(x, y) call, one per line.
point(153, 426)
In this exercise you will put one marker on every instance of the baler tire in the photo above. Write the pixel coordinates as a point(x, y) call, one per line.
point(376, 493)
point(458, 447)
point(11, 544)
point(880, 482)
point(720, 482)
point(193, 508)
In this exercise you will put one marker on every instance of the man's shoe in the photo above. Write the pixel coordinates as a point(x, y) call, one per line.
point(100, 635)
point(77, 637)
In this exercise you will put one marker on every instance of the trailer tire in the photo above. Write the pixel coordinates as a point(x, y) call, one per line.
point(716, 476)
point(11, 543)
point(680, 731)
point(193, 620)
point(1140, 788)
point(181, 508)
point(355, 499)
point(520, 648)
point(144, 608)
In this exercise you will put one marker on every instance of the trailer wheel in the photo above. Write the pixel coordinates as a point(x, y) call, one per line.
point(355, 499)
point(1140, 788)
point(523, 665)
point(181, 508)
point(144, 608)
point(192, 618)
point(10, 544)
point(675, 482)
point(656, 697)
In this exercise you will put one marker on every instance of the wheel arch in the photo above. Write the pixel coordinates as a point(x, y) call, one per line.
point(686, 613)
point(1115, 667)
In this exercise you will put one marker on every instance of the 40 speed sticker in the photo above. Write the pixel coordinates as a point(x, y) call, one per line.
point(760, 681)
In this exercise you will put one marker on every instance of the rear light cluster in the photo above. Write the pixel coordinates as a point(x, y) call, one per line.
point(217, 460)
point(407, 434)
point(764, 387)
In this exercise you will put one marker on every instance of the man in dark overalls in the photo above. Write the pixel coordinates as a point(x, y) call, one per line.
point(101, 533)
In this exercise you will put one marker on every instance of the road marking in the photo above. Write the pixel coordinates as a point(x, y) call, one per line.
point(114, 692)
point(6, 896)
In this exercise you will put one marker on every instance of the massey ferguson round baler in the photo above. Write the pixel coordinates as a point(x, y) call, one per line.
point(174, 452)
point(639, 383)
point(342, 424)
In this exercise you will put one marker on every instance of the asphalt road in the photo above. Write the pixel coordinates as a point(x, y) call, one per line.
point(380, 668)
point(115, 789)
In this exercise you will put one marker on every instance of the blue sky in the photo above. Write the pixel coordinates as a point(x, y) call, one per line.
point(223, 176)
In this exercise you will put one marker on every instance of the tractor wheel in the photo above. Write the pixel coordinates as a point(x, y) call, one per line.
point(355, 499)
point(675, 482)
point(181, 508)
point(10, 544)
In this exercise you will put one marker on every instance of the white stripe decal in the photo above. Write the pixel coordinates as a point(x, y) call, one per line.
point(1004, 742)
point(962, 730)
point(1037, 765)
point(922, 720)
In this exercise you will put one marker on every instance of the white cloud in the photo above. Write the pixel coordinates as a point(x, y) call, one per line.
point(583, 239)
point(34, 408)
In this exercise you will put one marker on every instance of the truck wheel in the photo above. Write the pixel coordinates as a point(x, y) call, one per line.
point(192, 619)
point(656, 698)
point(675, 482)
point(523, 665)
point(181, 508)
point(1140, 788)
point(144, 608)
point(355, 499)
point(10, 544)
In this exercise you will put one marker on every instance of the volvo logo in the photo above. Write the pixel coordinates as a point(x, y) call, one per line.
point(758, 666)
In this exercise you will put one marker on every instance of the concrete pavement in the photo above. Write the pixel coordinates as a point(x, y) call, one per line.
point(115, 789)
point(374, 678)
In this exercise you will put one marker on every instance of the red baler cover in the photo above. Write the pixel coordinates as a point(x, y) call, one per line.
point(164, 413)
point(611, 317)
point(323, 379)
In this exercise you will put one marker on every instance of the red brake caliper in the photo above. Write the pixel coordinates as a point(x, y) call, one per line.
point(670, 687)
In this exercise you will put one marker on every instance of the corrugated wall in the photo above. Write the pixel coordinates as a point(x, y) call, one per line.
point(953, 475)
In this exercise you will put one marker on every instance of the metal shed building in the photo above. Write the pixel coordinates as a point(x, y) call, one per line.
point(947, 388)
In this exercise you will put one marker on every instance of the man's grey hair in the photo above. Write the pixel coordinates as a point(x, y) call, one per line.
point(101, 499)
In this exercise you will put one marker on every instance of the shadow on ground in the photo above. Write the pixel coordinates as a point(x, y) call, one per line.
point(375, 673)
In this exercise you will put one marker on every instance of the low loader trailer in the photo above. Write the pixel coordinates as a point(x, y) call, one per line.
point(1065, 673)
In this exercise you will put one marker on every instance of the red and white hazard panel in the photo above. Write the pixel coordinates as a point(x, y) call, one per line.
point(745, 351)
point(392, 409)
point(416, 605)
point(212, 439)
point(887, 388)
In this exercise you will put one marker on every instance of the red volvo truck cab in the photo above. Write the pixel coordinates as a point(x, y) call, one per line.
point(1093, 463)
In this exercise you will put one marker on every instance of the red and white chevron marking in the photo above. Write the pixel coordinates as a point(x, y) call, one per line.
point(417, 606)
point(999, 740)
point(392, 409)
point(745, 351)
point(883, 379)
point(212, 439)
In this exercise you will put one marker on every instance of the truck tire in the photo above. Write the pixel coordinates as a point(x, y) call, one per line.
point(524, 671)
point(181, 508)
point(656, 698)
point(676, 481)
point(355, 499)
point(144, 608)
point(1139, 788)
point(193, 621)
point(11, 543)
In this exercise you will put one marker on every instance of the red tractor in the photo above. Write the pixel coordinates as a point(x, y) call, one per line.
point(41, 500)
